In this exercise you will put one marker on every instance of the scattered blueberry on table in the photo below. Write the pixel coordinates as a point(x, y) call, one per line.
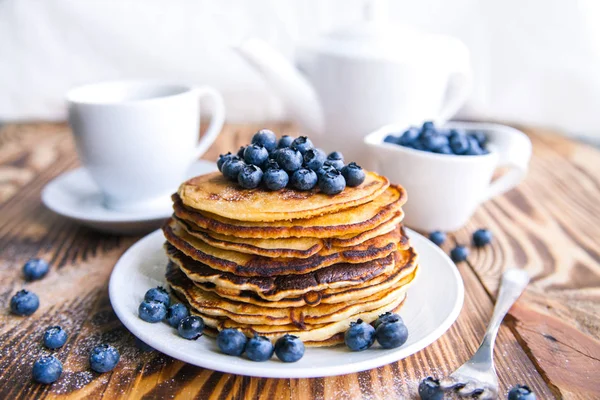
point(482, 237)
point(391, 333)
point(437, 237)
point(35, 269)
point(104, 358)
point(360, 336)
point(429, 389)
point(152, 311)
point(175, 313)
point(47, 369)
point(259, 348)
point(521, 392)
point(54, 337)
point(191, 327)
point(289, 162)
point(159, 294)
point(231, 341)
point(24, 303)
point(442, 141)
point(459, 253)
point(289, 348)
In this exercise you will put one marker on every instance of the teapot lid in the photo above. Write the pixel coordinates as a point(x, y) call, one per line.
point(374, 37)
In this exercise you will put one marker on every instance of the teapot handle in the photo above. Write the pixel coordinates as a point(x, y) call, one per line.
point(460, 79)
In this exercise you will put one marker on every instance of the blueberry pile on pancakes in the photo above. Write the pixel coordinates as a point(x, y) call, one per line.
point(296, 261)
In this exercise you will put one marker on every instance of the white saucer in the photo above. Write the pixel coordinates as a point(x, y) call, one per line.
point(432, 305)
point(75, 195)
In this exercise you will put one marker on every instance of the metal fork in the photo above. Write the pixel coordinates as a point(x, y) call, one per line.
point(477, 377)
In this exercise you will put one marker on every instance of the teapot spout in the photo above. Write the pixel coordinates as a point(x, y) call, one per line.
point(298, 95)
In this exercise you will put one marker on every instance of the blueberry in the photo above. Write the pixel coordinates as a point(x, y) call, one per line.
point(459, 144)
point(302, 144)
point(417, 145)
point(391, 334)
point(24, 303)
point(259, 348)
point(474, 147)
point(232, 167)
point(386, 317)
point(104, 358)
point(240, 152)
point(191, 327)
point(391, 139)
point(332, 182)
point(47, 369)
point(435, 142)
point(222, 159)
point(250, 177)
point(304, 179)
point(324, 169)
point(437, 237)
point(335, 159)
point(521, 392)
point(231, 341)
point(409, 136)
point(35, 269)
point(176, 313)
point(289, 159)
point(360, 336)
point(54, 337)
point(255, 154)
point(429, 389)
point(354, 174)
point(270, 164)
point(289, 348)
point(427, 126)
point(459, 253)
point(337, 164)
point(275, 179)
point(159, 294)
point(446, 149)
point(266, 139)
point(152, 311)
point(285, 141)
point(314, 159)
point(481, 138)
point(482, 237)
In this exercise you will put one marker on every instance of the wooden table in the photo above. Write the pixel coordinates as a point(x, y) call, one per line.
point(550, 226)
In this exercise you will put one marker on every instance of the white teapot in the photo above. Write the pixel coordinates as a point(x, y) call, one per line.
point(363, 76)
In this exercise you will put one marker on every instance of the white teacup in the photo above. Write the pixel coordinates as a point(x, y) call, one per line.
point(444, 190)
point(137, 139)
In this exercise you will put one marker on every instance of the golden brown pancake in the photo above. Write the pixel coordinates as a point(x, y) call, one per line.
point(215, 306)
point(251, 265)
point(215, 194)
point(405, 270)
point(355, 220)
point(277, 287)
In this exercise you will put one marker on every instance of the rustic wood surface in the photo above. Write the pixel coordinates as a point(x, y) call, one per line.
point(549, 225)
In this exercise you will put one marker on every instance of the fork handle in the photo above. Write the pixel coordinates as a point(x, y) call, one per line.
point(514, 282)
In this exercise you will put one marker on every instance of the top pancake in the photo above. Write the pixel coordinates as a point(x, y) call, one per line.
point(215, 194)
point(351, 221)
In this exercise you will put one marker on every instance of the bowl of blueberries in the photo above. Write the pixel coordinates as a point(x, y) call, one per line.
point(448, 170)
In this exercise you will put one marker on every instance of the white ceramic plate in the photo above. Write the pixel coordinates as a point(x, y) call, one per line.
point(75, 195)
point(432, 305)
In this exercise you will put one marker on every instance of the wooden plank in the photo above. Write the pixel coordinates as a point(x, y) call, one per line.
point(550, 225)
point(74, 294)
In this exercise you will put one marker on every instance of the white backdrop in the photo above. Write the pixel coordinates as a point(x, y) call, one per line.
point(535, 61)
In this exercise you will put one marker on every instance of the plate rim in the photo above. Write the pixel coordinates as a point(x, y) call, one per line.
point(305, 372)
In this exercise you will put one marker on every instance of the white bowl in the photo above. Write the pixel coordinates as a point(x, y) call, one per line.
point(444, 190)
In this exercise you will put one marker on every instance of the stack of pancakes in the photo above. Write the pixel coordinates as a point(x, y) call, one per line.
point(302, 263)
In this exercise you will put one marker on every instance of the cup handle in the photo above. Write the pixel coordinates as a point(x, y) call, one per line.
point(460, 79)
point(514, 150)
point(217, 120)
